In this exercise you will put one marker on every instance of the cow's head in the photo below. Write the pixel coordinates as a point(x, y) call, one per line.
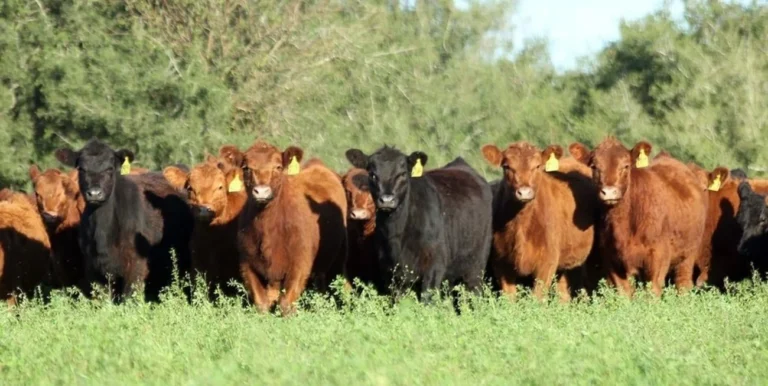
point(55, 193)
point(98, 167)
point(611, 165)
point(359, 198)
point(263, 166)
point(208, 186)
point(522, 164)
point(389, 173)
point(752, 217)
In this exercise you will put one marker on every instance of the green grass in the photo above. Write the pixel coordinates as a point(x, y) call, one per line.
point(698, 338)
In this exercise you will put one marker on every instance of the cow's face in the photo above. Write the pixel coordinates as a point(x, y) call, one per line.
point(611, 165)
point(522, 164)
point(389, 174)
point(207, 186)
point(98, 168)
point(55, 193)
point(359, 198)
point(263, 166)
point(752, 217)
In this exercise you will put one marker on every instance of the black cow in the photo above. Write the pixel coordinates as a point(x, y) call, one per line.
point(753, 220)
point(130, 223)
point(739, 174)
point(431, 228)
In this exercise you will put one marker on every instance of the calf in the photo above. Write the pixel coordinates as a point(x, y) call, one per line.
point(654, 215)
point(432, 227)
point(752, 217)
point(130, 223)
point(60, 206)
point(216, 195)
point(25, 250)
point(291, 227)
point(361, 224)
point(543, 221)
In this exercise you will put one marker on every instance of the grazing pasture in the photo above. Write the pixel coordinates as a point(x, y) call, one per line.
point(693, 339)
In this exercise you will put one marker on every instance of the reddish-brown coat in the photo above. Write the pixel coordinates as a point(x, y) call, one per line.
point(654, 216)
point(25, 250)
point(299, 231)
point(719, 257)
point(57, 195)
point(544, 231)
point(363, 259)
point(213, 244)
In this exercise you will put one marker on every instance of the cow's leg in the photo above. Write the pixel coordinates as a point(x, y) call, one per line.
point(658, 268)
point(544, 279)
point(619, 276)
point(684, 273)
point(430, 282)
point(563, 289)
point(255, 287)
point(295, 283)
point(507, 278)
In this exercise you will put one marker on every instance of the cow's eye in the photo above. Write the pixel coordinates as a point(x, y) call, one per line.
point(279, 167)
point(374, 177)
point(221, 187)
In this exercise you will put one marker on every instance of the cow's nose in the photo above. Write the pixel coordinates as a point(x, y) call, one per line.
point(94, 194)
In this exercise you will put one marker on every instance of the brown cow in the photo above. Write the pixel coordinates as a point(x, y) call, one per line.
point(25, 250)
point(543, 220)
point(654, 215)
point(60, 205)
point(719, 257)
point(216, 197)
point(292, 226)
point(363, 257)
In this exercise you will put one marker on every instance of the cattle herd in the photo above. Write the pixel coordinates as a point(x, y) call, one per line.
point(276, 224)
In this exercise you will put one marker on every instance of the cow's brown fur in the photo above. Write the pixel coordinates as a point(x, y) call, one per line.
point(553, 233)
point(213, 244)
point(57, 194)
point(25, 250)
point(362, 261)
point(654, 216)
point(719, 258)
point(299, 232)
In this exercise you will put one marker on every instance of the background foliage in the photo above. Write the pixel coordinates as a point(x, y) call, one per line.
point(172, 79)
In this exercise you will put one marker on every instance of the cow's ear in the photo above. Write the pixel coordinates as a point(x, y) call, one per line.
point(211, 159)
point(232, 154)
point(124, 154)
point(738, 174)
point(417, 156)
point(744, 190)
point(493, 155)
point(71, 183)
point(175, 176)
point(291, 152)
point(551, 156)
point(717, 177)
point(34, 172)
point(67, 156)
point(579, 152)
point(357, 158)
point(640, 154)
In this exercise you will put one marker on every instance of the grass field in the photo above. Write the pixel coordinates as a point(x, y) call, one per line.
point(699, 338)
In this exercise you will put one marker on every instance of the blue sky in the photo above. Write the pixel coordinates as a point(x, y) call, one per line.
point(575, 28)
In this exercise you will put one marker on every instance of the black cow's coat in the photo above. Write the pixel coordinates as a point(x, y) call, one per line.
point(753, 219)
point(130, 223)
point(431, 228)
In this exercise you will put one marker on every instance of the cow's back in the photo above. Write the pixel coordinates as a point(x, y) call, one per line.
point(25, 250)
point(465, 202)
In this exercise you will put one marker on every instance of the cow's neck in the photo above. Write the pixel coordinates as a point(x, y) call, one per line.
point(392, 225)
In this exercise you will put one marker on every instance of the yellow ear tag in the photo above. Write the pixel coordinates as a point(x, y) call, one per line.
point(552, 164)
point(715, 185)
point(418, 169)
point(125, 168)
point(642, 159)
point(236, 185)
point(293, 167)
